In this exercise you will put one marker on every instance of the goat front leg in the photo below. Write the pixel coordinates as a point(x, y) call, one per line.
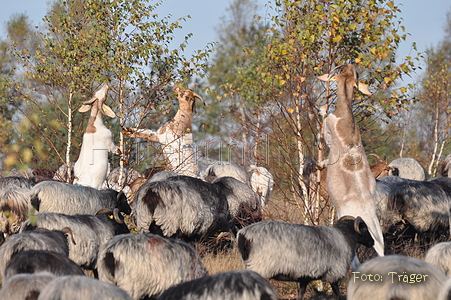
point(141, 133)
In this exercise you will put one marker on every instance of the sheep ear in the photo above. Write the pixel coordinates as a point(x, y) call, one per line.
point(106, 110)
point(364, 88)
point(68, 232)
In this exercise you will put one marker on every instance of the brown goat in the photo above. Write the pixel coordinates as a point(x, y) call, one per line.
point(175, 135)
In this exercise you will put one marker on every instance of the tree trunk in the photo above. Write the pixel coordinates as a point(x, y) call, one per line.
point(436, 140)
point(69, 137)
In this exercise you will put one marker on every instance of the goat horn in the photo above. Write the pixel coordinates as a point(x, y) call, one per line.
point(198, 96)
point(376, 156)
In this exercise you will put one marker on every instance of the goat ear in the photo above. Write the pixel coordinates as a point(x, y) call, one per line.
point(363, 88)
point(326, 77)
point(84, 108)
point(106, 110)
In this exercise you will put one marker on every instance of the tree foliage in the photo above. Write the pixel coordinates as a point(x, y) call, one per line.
point(87, 43)
point(278, 77)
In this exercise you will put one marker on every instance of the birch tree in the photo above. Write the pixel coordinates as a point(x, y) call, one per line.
point(307, 39)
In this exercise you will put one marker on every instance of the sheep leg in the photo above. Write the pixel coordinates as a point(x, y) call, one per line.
point(302, 289)
point(335, 289)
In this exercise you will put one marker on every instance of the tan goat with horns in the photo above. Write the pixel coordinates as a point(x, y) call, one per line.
point(175, 135)
point(350, 183)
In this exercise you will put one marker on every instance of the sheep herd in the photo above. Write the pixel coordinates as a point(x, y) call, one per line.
point(53, 234)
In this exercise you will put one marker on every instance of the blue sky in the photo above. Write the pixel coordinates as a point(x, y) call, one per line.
point(423, 19)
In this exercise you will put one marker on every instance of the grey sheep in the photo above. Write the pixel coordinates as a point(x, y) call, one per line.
point(408, 168)
point(51, 240)
point(35, 261)
point(243, 203)
point(234, 285)
point(223, 169)
point(145, 265)
point(395, 277)
point(439, 256)
point(15, 182)
point(162, 175)
point(292, 252)
point(81, 287)
point(445, 292)
point(59, 197)
point(25, 286)
point(424, 204)
point(89, 232)
point(14, 208)
point(181, 206)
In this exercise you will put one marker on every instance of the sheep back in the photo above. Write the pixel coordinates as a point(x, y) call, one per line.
point(82, 287)
point(15, 182)
point(147, 264)
point(35, 261)
point(89, 233)
point(391, 287)
point(235, 285)
point(181, 206)
point(243, 203)
point(25, 286)
point(59, 197)
point(315, 252)
point(423, 203)
point(51, 240)
point(408, 168)
point(439, 256)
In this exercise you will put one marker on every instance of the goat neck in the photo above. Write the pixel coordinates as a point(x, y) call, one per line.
point(183, 119)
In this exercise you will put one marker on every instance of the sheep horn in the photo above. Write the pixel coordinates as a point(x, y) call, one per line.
point(357, 223)
point(101, 211)
point(117, 216)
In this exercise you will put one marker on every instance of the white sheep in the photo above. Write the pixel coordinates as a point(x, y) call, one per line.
point(92, 165)
point(350, 182)
point(262, 183)
point(175, 135)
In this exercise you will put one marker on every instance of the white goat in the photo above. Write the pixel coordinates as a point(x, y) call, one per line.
point(262, 183)
point(175, 135)
point(350, 183)
point(92, 165)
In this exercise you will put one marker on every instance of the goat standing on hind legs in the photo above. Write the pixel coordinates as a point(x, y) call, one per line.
point(175, 135)
point(92, 165)
point(349, 180)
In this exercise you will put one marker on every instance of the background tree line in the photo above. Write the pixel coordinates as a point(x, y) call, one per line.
point(265, 105)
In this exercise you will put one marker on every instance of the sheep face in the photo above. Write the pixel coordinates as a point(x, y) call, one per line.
point(122, 203)
point(360, 228)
